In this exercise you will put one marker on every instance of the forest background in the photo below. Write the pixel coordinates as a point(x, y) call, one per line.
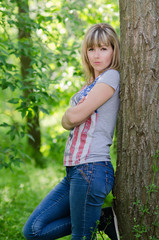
point(46, 35)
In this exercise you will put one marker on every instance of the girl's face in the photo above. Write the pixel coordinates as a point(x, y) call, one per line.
point(100, 58)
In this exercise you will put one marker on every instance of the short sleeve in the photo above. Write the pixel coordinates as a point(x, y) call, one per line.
point(110, 77)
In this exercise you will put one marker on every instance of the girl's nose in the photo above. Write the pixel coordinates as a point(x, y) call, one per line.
point(96, 53)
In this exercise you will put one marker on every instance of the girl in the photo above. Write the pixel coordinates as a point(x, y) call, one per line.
point(74, 205)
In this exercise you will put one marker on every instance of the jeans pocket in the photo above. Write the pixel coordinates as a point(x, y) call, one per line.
point(85, 171)
point(97, 191)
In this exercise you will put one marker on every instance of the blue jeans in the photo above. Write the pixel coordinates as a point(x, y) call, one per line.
point(74, 205)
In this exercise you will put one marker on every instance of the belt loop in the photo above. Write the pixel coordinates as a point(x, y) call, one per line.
point(106, 163)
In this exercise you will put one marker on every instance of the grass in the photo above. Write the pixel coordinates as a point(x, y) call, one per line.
point(20, 192)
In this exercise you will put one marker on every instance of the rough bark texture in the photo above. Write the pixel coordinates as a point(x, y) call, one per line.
point(138, 124)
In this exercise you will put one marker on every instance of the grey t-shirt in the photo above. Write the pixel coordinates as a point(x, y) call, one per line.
point(106, 120)
point(90, 141)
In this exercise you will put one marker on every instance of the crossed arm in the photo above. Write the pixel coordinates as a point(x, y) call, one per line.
point(74, 116)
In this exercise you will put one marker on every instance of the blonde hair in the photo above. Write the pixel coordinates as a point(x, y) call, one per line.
point(97, 35)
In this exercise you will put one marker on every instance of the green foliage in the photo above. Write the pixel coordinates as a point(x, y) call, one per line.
point(144, 209)
point(21, 190)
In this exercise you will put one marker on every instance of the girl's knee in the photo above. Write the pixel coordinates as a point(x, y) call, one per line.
point(25, 232)
point(28, 233)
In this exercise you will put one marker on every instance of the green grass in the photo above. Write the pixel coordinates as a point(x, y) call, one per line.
point(20, 192)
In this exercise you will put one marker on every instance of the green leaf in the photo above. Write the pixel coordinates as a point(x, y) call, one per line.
point(14, 100)
point(4, 125)
point(4, 84)
point(12, 87)
point(22, 134)
point(17, 161)
point(24, 112)
point(31, 137)
point(44, 110)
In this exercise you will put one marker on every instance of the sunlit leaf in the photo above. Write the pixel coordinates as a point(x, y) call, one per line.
point(31, 137)
point(44, 110)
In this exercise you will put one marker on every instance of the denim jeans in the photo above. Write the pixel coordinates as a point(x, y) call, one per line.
point(74, 205)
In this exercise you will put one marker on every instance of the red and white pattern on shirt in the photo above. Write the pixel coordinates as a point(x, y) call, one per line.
point(79, 140)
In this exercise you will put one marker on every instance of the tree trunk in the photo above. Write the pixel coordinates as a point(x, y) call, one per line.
point(33, 126)
point(138, 123)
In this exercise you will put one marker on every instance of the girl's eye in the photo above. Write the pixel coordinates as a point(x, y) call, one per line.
point(104, 49)
point(90, 49)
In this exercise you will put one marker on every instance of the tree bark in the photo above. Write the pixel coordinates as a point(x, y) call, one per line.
point(33, 126)
point(138, 123)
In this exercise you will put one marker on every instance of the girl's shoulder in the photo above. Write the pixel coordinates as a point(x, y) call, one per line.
point(111, 72)
point(110, 77)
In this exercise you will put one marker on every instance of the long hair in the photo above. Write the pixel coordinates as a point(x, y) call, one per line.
point(97, 35)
